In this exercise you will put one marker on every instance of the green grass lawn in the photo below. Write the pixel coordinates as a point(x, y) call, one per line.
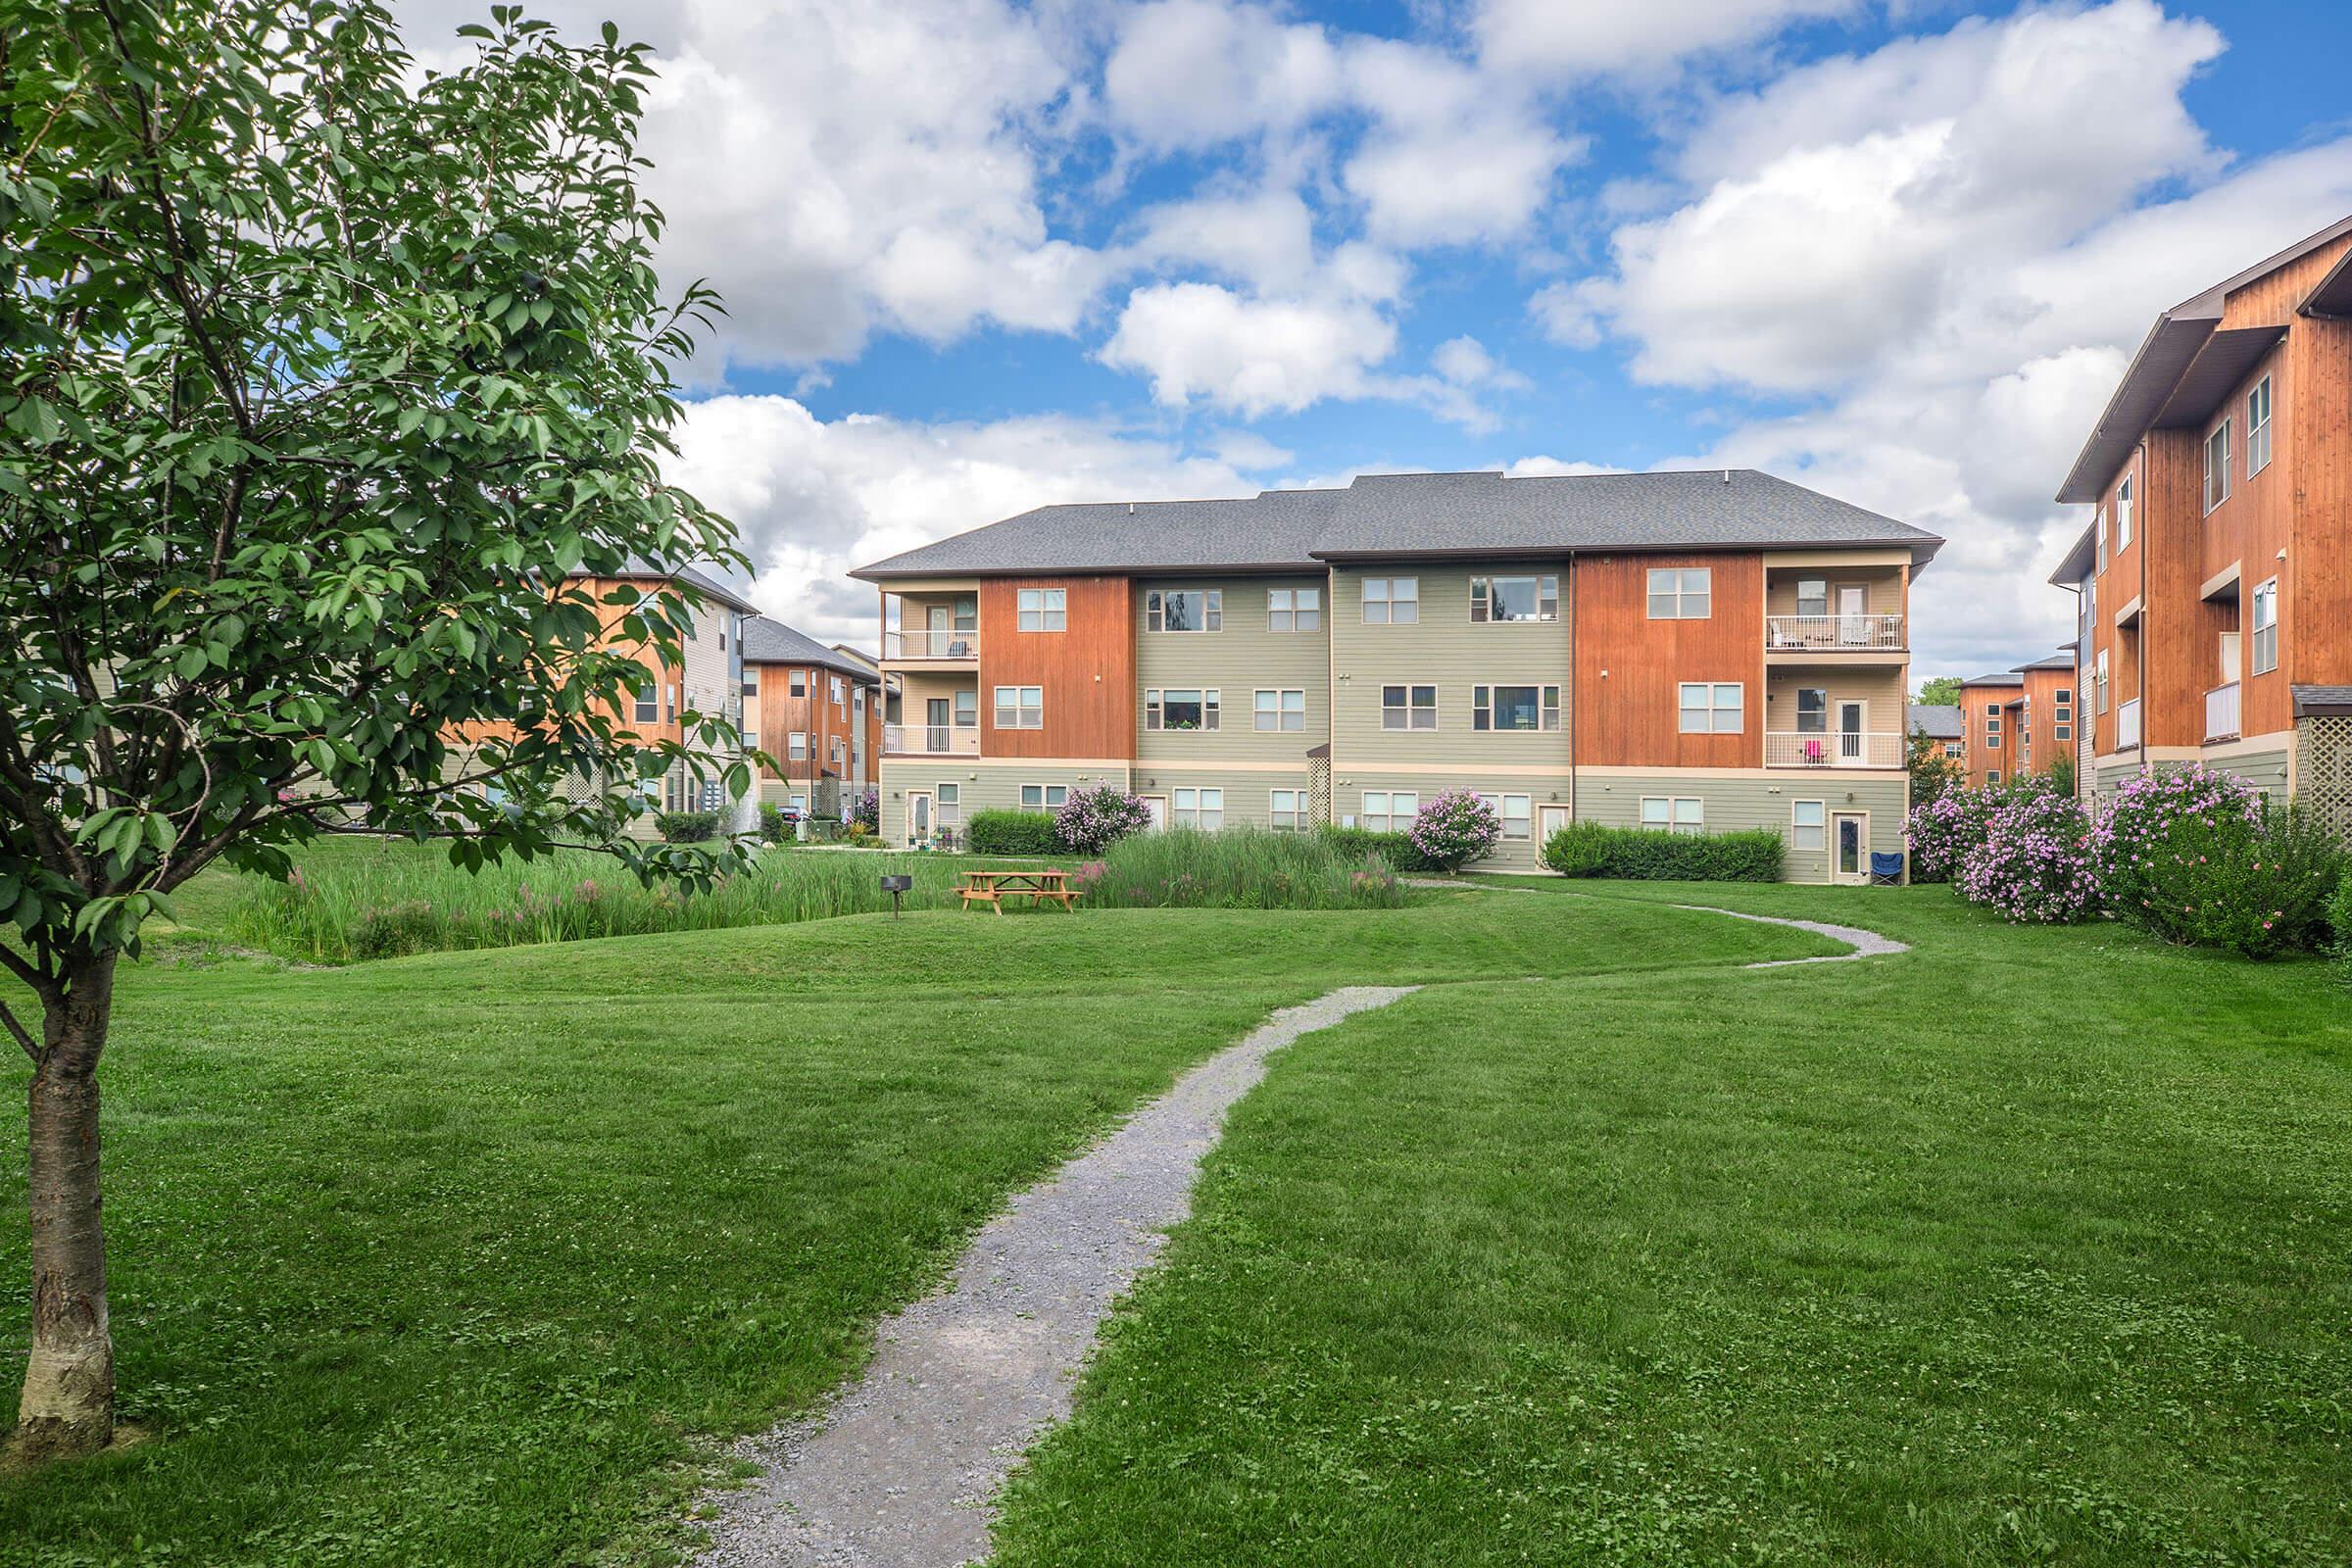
point(2029, 1245)
point(467, 1258)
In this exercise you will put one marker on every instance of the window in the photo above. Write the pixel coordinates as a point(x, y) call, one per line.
point(1042, 610)
point(1408, 707)
point(2258, 427)
point(1812, 710)
point(2122, 514)
point(1294, 610)
point(1954, 749)
point(1287, 809)
point(1390, 810)
point(1495, 600)
point(840, 698)
point(799, 686)
point(968, 709)
point(1516, 812)
point(1044, 797)
point(2098, 681)
point(1808, 825)
point(2217, 466)
point(1020, 708)
point(1680, 593)
point(1392, 600)
point(834, 751)
point(751, 739)
point(1712, 709)
point(1185, 609)
point(1515, 708)
point(1675, 815)
point(670, 704)
point(750, 680)
point(1282, 711)
point(967, 614)
point(1813, 596)
point(1200, 808)
point(2098, 529)
point(800, 805)
point(649, 702)
point(2062, 715)
point(2266, 627)
point(1181, 709)
point(947, 805)
point(1992, 727)
point(798, 746)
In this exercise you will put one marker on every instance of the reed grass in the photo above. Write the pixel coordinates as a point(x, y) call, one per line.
point(1238, 869)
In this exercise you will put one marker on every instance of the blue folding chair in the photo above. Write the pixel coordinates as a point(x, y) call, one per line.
point(1885, 870)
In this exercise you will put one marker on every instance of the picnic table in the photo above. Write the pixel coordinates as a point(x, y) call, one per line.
point(1042, 886)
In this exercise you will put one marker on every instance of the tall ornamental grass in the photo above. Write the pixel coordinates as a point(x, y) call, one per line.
point(1236, 868)
point(394, 899)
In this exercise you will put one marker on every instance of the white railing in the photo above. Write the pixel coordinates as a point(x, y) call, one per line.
point(920, 644)
point(2222, 716)
point(931, 740)
point(1836, 749)
point(1832, 633)
point(2127, 723)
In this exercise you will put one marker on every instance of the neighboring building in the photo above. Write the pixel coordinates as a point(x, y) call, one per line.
point(817, 712)
point(2214, 600)
point(1685, 651)
point(2017, 722)
point(1940, 722)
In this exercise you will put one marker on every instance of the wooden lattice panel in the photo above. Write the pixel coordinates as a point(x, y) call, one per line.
point(1318, 788)
point(2323, 771)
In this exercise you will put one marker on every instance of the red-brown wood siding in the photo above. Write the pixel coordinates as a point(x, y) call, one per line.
point(1627, 707)
point(1085, 671)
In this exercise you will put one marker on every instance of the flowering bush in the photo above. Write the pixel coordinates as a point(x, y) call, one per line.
point(2140, 819)
point(1453, 828)
point(2034, 861)
point(1091, 820)
point(865, 812)
point(2258, 888)
point(1943, 830)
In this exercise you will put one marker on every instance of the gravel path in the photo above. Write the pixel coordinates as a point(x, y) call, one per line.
point(1866, 943)
point(900, 1470)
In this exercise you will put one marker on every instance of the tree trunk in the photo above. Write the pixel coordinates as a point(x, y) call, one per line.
point(69, 1402)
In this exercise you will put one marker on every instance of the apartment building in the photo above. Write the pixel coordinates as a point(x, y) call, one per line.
point(1683, 651)
point(2017, 722)
point(2214, 581)
point(817, 712)
point(1941, 723)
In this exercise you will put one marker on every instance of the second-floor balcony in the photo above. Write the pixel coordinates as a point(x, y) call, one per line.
point(1856, 633)
point(2224, 716)
point(931, 740)
point(1833, 748)
point(2127, 724)
point(931, 646)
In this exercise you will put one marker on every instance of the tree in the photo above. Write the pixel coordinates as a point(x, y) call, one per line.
point(321, 384)
point(1942, 692)
point(1934, 775)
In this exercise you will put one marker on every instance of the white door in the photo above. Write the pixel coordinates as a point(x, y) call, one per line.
point(1853, 601)
point(2228, 657)
point(1158, 806)
point(918, 817)
point(935, 643)
point(1549, 819)
point(1849, 843)
point(1853, 719)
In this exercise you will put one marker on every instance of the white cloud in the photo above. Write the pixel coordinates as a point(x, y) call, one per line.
point(814, 497)
point(1201, 341)
point(1537, 468)
point(1192, 73)
point(1548, 36)
point(1453, 157)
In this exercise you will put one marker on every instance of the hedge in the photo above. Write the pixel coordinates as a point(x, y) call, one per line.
point(686, 828)
point(1645, 854)
point(1013, 833)
point(1394, 848)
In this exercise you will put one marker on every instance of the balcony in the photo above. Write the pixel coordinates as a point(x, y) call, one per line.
point(2222, 718)
point(931, 647)
point(1843, 749)
point(2127, 724)
point(1833, 635)
point(931, 740)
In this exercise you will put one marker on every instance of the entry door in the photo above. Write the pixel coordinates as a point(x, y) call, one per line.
point(1549, 819)
point(938, 717)
point(1849, 837)
point(918, 817)
point(1853, 602)
point(2228, 657)
point(1853, 718)
point(942, 625)
point(1157, 806)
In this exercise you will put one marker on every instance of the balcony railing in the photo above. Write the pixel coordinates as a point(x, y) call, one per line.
point(2127, 724)
point(2221, 713)
point(933, 645)
point(1837, 748)
point(1853, 633)
point(931, 740)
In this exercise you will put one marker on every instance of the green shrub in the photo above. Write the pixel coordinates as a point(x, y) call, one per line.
point(1238, 869)
point(1013, 833)
point(1643, 855)
point(2258, 888)
point(2339, 925)
point(774, 827)
point(686, 828)
point(1362, 843)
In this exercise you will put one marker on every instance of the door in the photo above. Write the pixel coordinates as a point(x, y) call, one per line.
point(1853, 621)
point(2230, 665)
point(937, 715)
point(940, 622)
point(1853, 719)
point(1549, 819)
point(1849, 835)
point(1157, 806)
point(918, 817)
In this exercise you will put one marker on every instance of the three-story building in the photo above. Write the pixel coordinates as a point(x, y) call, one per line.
point(1686, 652)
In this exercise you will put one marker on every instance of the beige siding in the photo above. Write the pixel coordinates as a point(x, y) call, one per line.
point(1512, 854)
point(1237, 662)
point(984, 786)
point(1247, 791)
point(1884, 583)
point(1737, 802)
point(1447, 651)
point(1881, 686)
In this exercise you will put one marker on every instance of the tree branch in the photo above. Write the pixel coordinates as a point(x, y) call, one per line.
point(33, 1046)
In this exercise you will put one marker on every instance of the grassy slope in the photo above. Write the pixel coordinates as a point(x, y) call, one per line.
point(2028, 1245)
point(445, 1260)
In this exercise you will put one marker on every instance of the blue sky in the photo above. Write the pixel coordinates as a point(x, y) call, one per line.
point(982, 256)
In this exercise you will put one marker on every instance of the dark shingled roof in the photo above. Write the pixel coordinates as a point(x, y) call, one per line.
point(2318, 702)
point(2007, 677)
point(772, 641)
point(2054, 662)
point(710, 587)
point(1936, 721)
point(1415, 515)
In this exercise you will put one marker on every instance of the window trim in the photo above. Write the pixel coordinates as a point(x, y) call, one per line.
point(1281, 710)
point(1547, 598)
point(1799, 828)
point(1387, 814)
point(1548, 707)
point(1199, 806)
point(2219, 433)
point(1155, 709)
point(1713, 707)
point(1052, 606)
point(2258, 434)
point(1674, 822)
point(1212, 611)
point(1408, 707)
point(1680, 592)
point(1499, 801)
point(1020, 708)
point(2126, 499)
point(1303, 805)
point(1046, 803)
point(1389, 601)
point(1294, 610)
point(2266, 591)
